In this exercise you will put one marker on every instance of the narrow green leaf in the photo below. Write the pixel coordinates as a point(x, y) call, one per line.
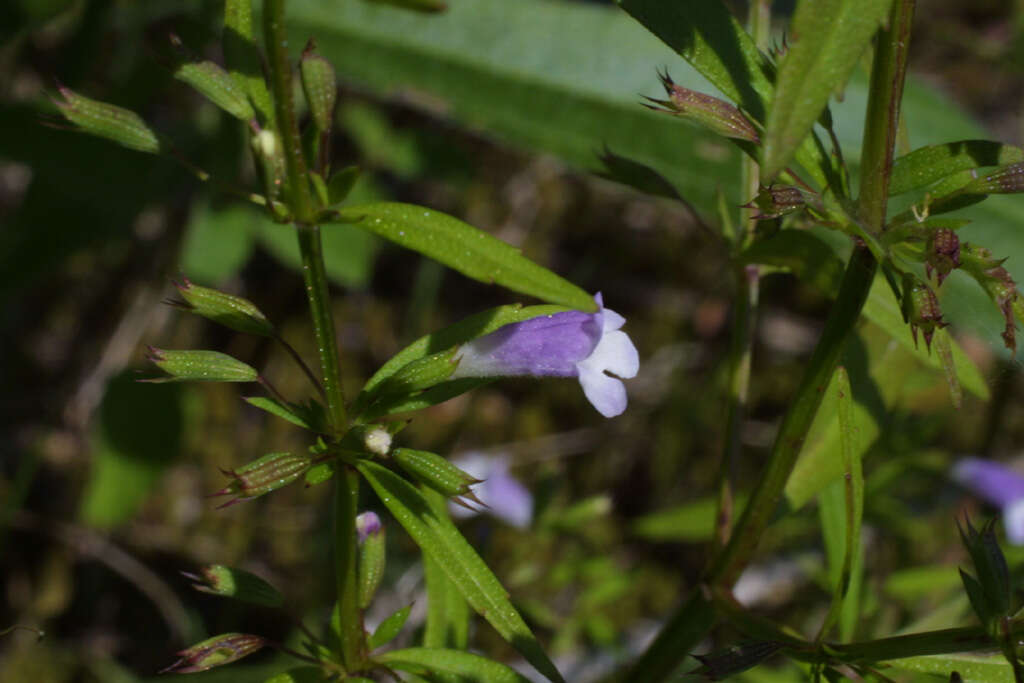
point(926, 165)
point(303, 674)
point(447, 612)
point(842, 510)
point(971, 667)
point(243, 59)
point(469, 667)
point(213, 82)
point(439, 539)
point(464, 248)
point(826, 39)
point(445, 391)
point(389, 628)
point(944, 351)
point(428, 6)
point(275, 407)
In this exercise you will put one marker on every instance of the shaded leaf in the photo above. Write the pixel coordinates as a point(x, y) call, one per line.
point(469, 667)
point(439, 539)
point(464, 248)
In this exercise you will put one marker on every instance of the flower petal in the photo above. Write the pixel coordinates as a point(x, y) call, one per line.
point(614, 353)
point(612, 320)
point(605, 393)
point(990, 480)
point(1013, 520)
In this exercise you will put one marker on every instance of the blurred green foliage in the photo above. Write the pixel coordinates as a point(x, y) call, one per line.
point(466, 111)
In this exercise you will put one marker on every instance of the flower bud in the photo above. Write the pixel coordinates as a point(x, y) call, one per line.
point(217, 651)
point(990, 591)
point(200, 366)
point(774, 201)
point(214, 83)
point(921, 309)
point(270, 161)
point(236, 583)
point(436, 472)
point(377, 440)
point(370, 532)
point(717, 115)
point(264, 475)
point(942, 253)
point(104, 120)
point(228, 310)
point(319, 86)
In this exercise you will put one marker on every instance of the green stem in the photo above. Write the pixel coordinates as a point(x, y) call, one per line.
point(676, 640)
point(315, 277)
point(888, 72)
point(746, 280)
point(351, 635)
point(300, 197)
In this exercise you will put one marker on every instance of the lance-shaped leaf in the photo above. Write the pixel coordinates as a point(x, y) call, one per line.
point(243, 58)
point(464, 248)
point(200, 366)
point(224, 309)
point(389, 628)
point(826, 38)
point(213, 82)
point(464, 665)
point(109, 121)
point(429, 6)
point(239, 584)
point(972, 668)
point(926, 165)
point(436, 472)
point(442, 542)
point(722, 664)
point(447, 622)
point(842, 510)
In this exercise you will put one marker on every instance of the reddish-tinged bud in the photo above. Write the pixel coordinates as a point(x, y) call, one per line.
point(228, 310)
point(264, 475)
point(998, 284)
point(942, 253)
point(921, 309)
point(710, 112)
point(217, 651)
point(774, 201)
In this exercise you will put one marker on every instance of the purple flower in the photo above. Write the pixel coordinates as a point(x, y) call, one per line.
point(999, 485)
point(501, 493)
point(568, 344)
point(367, 524)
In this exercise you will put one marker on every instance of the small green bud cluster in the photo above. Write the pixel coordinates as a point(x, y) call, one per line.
point(775, 201)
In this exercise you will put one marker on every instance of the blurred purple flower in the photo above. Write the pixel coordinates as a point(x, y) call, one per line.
point(999, 485)
point(567, 344)
point(504, 496)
